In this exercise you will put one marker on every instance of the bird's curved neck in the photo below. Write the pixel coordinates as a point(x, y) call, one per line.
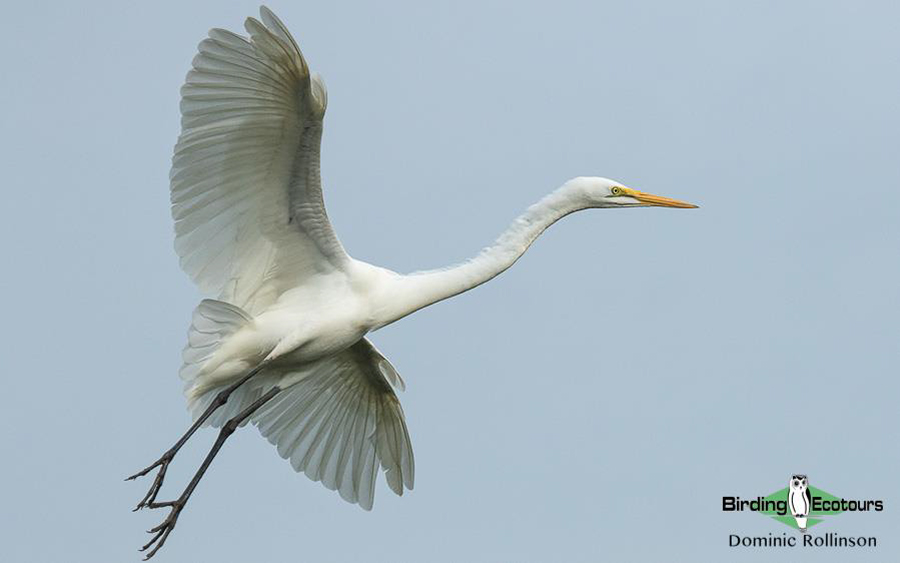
point(412, 292)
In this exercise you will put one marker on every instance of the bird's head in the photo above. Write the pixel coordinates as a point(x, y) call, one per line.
point(603, 192)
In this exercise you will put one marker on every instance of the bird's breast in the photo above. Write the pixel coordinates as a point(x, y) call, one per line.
point(316, 326)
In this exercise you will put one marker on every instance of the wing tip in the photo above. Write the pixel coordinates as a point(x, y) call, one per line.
point(265, 12)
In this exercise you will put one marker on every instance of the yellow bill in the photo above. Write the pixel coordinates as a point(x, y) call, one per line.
point(658, 200)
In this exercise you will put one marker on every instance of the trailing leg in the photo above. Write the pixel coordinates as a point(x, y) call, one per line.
point(166, 458)
point(161, 532)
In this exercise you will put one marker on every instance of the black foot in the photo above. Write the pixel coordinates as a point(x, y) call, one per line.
point(163, 463)
point(161, 532)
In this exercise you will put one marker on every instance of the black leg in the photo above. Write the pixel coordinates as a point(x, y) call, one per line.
point(161, 532)
point(163, 462)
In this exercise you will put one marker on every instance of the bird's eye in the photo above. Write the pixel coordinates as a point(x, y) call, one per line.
point(616, 190)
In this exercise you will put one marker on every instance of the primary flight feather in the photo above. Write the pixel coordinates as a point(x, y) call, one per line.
point(283, 346)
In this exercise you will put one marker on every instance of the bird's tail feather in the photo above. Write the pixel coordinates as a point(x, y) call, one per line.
point(211, 325)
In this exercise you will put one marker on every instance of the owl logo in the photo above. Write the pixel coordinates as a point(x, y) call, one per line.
point(799, 500)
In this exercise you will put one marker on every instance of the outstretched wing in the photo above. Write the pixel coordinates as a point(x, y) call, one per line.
point(250, 221)
point(340, 421)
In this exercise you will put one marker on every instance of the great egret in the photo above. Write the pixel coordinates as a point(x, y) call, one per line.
point(284, 344)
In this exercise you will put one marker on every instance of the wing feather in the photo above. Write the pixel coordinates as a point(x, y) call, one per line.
point(250, 220)
point(340, 422)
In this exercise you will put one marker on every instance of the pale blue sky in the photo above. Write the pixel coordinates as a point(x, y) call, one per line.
point(595, 402)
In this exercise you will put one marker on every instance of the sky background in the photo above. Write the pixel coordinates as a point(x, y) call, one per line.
point(593, 403)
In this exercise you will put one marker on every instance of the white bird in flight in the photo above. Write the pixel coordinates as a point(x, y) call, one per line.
point(284, 346)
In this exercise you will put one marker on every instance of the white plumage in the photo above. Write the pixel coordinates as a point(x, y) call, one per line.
point(292, 308)
point(246, 197)
point(250, 225)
